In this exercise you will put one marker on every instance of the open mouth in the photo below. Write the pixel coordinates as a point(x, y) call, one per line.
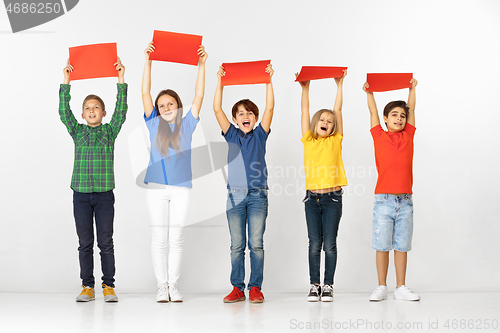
point(323, 128)
point(92, 116)
point(246, 123)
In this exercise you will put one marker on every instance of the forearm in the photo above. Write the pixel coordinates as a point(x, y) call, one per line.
point(304, 106)
point(337, 107)
point(65, 113)
point(372, 107)
point(269, 96)
point(146, 78)
point(199, 91)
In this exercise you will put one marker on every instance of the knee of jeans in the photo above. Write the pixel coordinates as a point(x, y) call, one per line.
point(314, 247)
point(330, 248)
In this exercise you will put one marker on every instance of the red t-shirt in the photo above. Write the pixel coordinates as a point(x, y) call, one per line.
point(394, 159)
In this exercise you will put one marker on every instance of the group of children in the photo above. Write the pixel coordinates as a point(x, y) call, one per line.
point(169, 180)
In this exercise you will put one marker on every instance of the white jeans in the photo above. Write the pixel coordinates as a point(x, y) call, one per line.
point(168, 208)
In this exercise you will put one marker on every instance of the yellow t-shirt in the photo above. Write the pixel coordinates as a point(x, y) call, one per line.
point(323, 164)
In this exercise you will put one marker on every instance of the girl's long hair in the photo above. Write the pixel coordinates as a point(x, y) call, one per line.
point(165, 138)
point(315, 120)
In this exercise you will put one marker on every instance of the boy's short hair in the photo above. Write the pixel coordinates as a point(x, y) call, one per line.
point(395, 104)
point(89, 97)
point(249, 106)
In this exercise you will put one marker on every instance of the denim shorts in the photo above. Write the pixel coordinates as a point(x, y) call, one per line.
point(392, 222)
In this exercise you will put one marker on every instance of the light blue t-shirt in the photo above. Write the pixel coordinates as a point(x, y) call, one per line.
point(176, 169)
point(246, 158)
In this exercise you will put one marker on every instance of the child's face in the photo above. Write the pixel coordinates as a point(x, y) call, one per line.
point(167, 106)
point(93, 112)
point(396, 120)
point(245, 119)
point(325, 124)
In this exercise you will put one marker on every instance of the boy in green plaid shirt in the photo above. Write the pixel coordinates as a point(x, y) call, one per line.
point(93, 180)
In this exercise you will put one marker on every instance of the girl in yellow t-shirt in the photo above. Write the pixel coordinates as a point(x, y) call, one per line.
point(325, 176)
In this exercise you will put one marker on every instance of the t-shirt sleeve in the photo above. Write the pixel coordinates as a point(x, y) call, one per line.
point(306, 137)
point(261, 133)
point(376, 132)
point(410, 129)
point(189, 122)
point(151, 116)
point(230, 133)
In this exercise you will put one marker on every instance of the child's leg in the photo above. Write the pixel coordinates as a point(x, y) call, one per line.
point(403, 232)
point(179, 208)
point(331, 218)
point(382, 260)
point(84, 220)
point(384, 211)
point(400, 259)
point(236, 218)
point(157, 202)
point(257, 208)
point(315, 235)
point(104, 215)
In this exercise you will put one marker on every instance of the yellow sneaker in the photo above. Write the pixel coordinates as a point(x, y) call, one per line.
point(109, 294)
point(86, 295)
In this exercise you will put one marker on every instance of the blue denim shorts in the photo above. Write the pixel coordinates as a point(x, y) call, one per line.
point(392, 222)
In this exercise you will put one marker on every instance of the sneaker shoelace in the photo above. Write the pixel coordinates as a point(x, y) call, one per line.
point(163, 289)
point(327, 288)
point(314, 289)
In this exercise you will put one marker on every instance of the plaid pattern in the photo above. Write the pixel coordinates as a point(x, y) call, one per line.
point(93, 169)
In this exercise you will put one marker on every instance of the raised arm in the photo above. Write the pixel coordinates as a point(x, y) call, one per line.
point(147, 101)
point(199, 90)
point(219, 113)
point(337, 107)
point(121, 105)
point(410, 118)
point(65, 112)
point(372, 107)
point(267, 117)
point(305, 120)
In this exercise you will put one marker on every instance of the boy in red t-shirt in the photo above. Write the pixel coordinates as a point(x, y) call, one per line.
point(393, 207)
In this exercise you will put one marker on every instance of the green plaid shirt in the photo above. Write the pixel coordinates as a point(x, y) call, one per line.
point(94, 146)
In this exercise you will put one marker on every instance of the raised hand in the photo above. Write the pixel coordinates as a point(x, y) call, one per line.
point(269, 69)
point(67, 70)
point(120, 69)
point(203, 55)
point(303, 84)
point(340, 80)
point(149, 50)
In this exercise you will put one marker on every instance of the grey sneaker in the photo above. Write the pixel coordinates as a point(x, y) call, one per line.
point(406, 294)
point(109, 294)
point(327, 293)
point(86, 295)
point(162, 295)
point(314, 293)
point(174, 294)
point(379, 294)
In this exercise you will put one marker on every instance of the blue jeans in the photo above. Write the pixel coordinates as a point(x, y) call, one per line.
point(323, 212)
point(86, 206)
point(247, 207)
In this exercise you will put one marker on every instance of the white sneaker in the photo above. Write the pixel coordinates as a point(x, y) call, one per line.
point(406, 294)
point(162, 295)
point(175, 295)
point(379, 294)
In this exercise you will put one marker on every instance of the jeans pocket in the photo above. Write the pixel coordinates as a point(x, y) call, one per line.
point(263, 192)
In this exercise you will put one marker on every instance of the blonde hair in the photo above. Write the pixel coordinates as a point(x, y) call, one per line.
point(315, 120)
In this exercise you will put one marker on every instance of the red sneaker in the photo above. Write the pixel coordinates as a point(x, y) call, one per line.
point(256, 295)
point(235, 296)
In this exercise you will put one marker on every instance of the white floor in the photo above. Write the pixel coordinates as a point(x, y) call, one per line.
point(350, 312)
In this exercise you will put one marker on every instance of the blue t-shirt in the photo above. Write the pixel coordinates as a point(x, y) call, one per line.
point(176, 169)
point(246, 158)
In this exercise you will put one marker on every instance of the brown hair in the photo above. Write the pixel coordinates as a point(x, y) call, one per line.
point(165, 138)
point(89, 97)
point(315, 120)
point(249, 106)
point(395, 104)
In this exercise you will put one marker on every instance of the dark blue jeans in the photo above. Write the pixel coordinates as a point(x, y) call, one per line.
point(86, 207)
point(323, 212)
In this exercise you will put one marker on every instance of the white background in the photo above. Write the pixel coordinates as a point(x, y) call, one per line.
point(451, 47)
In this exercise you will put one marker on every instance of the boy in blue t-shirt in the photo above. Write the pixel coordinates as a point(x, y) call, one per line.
point(247, 187)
